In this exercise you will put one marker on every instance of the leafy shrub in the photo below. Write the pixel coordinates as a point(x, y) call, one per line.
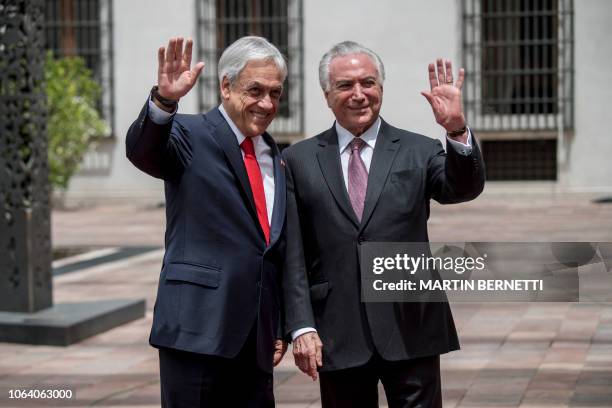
point(74, 121)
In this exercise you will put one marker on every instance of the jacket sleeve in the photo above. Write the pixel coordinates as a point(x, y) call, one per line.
point(162, 151)
point(295, 287)
point(452, 177)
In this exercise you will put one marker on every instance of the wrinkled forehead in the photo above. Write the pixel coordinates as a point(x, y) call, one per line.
point(263, 71)
point(358, 65)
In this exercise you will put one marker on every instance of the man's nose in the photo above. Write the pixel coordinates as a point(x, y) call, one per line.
point(358, 92)
point(266, 102)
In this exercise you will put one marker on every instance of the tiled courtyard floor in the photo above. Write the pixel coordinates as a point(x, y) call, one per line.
point(513, 355)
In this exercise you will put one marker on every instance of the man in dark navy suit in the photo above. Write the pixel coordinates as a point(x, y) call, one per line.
point(217, 320)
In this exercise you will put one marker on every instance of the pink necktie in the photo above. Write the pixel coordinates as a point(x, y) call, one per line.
point(357, 177)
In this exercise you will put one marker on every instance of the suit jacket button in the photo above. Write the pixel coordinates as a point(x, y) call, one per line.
point(361, 239)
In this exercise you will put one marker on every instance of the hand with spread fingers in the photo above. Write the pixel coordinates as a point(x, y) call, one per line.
point(308, 353)
point(175, 77)
point(445, 98)
point(280, 347)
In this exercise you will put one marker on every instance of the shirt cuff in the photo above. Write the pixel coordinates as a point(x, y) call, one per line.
point(158, 115)
point(461, 148)
point(297, 333)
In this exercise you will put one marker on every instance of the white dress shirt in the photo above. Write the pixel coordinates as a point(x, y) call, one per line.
point(263, 152)
point(367, 151)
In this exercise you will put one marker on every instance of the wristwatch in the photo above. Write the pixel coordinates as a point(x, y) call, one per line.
point(457, 132)
point(168, 103)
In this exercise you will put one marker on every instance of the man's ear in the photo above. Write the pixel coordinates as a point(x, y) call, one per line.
point(326, 93)
point(225, 88)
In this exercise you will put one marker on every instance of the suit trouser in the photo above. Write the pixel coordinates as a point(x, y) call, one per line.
point(408, 384)
point(191, 380)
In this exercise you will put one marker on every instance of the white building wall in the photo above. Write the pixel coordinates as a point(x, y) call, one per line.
point(590, 151)
point(140, 28)
point(406, 34)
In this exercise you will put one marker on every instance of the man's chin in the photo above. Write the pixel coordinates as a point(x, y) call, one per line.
point(257, 130)
point(364, 120)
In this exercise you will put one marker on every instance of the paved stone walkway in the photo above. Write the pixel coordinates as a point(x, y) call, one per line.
point(513, 355)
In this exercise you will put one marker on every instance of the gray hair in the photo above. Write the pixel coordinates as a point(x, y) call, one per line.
point(347, 48)
point(239, 53)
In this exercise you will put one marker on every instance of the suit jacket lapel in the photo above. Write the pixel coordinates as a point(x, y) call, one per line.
point(329, 161)
point(382, 159)
point(280, 194)
point(227, 141)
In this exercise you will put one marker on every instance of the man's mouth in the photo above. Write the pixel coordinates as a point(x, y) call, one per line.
point(260, 115)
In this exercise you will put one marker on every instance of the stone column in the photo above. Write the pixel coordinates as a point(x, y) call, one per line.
point(25, 234)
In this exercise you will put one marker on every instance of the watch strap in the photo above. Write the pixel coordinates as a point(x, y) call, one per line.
point(168, 103)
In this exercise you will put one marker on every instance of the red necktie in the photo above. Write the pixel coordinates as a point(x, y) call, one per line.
point(256, 181)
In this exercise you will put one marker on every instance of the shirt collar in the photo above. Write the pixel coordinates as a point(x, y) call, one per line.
point(369, 136)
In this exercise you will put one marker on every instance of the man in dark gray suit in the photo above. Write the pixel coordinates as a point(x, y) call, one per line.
point(365, 180)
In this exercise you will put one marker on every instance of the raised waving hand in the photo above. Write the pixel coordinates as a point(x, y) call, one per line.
point(175, 77)
point(445, 95)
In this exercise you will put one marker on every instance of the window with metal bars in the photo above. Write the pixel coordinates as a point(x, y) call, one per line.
point(520, 160)
point(518, 56)
point(84, 28)
point(221, 22)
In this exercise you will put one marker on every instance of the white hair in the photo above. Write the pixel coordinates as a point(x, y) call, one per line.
point(240, 52)
point(347, 48)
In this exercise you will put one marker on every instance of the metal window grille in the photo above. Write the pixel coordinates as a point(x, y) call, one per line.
point(518, 56)
point(508, 160)
point(221, 22)
point(84, 28)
